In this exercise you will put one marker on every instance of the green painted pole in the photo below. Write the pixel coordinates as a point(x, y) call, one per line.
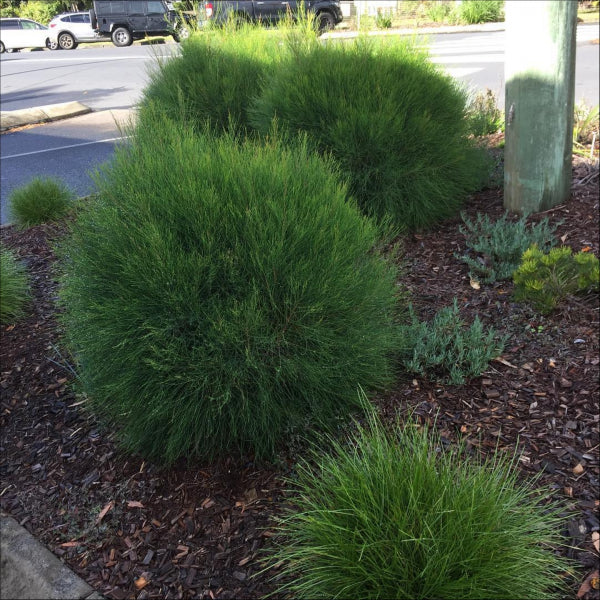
point(540, 89)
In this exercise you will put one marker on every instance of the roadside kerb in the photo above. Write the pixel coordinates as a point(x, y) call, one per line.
point(29, 570)
point(9, 119)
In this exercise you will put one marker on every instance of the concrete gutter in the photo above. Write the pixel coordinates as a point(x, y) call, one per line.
point(9, 119)
point(29, 570)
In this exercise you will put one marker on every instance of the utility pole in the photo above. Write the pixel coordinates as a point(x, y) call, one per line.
point(540, 89)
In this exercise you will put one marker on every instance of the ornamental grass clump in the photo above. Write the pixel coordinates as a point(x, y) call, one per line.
point(14, 287)
point(391, 119)
point(222, 292)
point(40, 200)
point(399, 515)
point(215, 76)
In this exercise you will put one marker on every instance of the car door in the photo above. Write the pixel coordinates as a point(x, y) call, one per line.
point(274, 10)
point(33, 34)
point(137, 15)
point(156, 17)
point(81, 27)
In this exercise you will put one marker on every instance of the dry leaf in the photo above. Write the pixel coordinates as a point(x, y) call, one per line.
point(504, 362)
point(141, 583)
point(591, 582)
point(134, 504)
point(596, 540)
point(578, 469)
point(104, 511)
point(70, 544)
point(475, 284)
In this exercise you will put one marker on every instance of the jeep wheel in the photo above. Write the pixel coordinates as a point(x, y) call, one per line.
point(325, 21)
point(66, 41)
point(2, 48)
point(121, 37)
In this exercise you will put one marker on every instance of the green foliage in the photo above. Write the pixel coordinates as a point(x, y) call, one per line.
point(399, 515)
point(383, 20)
point(381, 109)
point(500, 244)
point(483, 115)
point(470, 12)
point(221, 292)
point(14, 287)
point(545, 279)
point(438, 11)
point(213, 79)
point(42, 199)
point(446, 349)
point(585, 126)
point(41, 11)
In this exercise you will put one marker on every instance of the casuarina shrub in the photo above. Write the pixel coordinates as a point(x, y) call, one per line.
point(214, 78)
point(392, 120)
point(222, 292)
point(399, 515)
point(14, 287)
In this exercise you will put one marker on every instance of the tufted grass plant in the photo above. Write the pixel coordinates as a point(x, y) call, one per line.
point(217, 74)
point(391, 119)
point(398, 515)
point(232, 296)
point(14, 287)
point(40, 200)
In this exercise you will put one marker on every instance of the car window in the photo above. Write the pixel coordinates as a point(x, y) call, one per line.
point(155, 7)
point(10, 24)
point(77, 19)
point(66, 19)
point(86, 18)
point(29, 25)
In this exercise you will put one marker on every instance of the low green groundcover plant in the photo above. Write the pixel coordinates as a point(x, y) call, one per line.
point(546, 278)
point(221, 292)
point(398, 515)
point(446, 349)
point(499, 245)
point(483, 115)
point(390, 117)
point(42, 199)
point(14, 287)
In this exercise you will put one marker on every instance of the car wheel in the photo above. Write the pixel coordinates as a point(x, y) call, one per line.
point(2, 48)
point(325, 21)
point(52, 44)
point(121, 37)
point(66, 41)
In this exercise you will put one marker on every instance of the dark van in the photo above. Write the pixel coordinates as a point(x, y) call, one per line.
point(128, 20)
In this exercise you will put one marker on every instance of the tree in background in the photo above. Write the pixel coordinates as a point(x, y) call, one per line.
point(41, 11)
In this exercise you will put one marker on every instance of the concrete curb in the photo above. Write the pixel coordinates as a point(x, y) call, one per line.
point(29, 570)
point(9, 119)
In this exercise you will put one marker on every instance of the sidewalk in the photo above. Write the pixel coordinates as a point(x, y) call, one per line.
point(29, 571)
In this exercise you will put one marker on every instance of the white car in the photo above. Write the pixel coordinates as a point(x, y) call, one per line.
point(69, 29)
point(17, 33)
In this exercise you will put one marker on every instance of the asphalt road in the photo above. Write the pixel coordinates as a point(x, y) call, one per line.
point(110, 80)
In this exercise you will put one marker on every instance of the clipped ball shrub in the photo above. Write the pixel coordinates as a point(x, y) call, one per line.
point(42, 199)
point(14, 287)
point(222, 292)
point(398, 515)
point(214, 78)
point(391, 119)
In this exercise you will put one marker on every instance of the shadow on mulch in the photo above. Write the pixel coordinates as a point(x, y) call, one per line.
point(132, 530)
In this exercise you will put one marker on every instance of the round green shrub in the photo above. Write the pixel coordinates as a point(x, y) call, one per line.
point(14, 287)
point(221, 292)
point(393, 121)
point(42, 199)
point(214, 78)
point(396, 515)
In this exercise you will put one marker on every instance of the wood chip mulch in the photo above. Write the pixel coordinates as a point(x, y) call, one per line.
point(132, 530)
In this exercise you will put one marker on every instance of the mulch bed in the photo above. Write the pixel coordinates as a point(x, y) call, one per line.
point(133, 530)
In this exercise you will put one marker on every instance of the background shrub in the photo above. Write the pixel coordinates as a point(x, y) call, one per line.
point(42, 199)
point(396, 515)
point(545, 279)
point(382, 110)
point(446, 349)
point(483, 115)
point(470, 12)
point(500, 244)
point(214, 78)
point(14, 287)
point(232, 295)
